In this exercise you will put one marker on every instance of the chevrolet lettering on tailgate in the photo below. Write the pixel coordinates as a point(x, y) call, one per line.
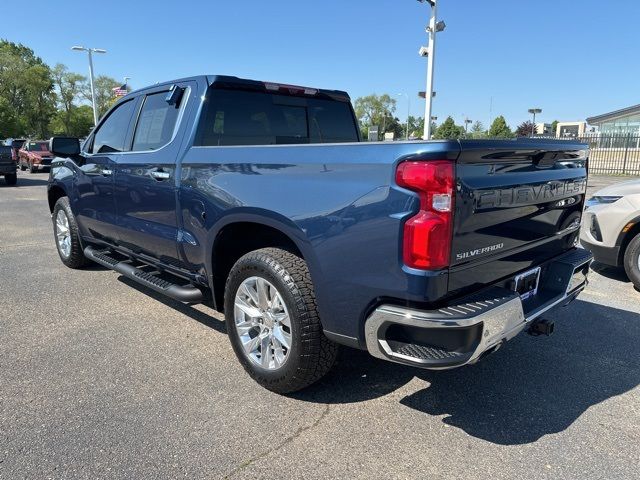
point(530, 194)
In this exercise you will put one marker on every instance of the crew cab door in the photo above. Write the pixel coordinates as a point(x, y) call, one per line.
point(95, 206)
point(145, 177)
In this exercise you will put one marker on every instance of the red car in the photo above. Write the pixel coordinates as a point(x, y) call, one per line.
point(34, 156)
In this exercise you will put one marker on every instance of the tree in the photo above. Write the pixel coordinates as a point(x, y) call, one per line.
point(416, 127)
point(75, 123)
point(103, 87)
point(41, 100)
point(554, 127)
point(477, 130)
point(448, 130)
point(377, 110)
point(69, 88)
point(525, 129)
point(26, 86)
point(500, 129)
point(9, 122)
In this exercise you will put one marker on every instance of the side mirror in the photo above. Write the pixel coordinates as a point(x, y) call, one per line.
point(66, 147)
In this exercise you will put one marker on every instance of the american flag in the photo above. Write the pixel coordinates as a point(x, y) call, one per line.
point(120, 91)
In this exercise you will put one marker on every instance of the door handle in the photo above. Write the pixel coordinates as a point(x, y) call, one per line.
point(160, 175)
point(106, 172)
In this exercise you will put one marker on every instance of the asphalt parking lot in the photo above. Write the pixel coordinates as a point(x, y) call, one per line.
point(100, 378)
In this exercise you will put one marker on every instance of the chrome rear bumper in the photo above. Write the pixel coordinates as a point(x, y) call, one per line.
point(465, 331)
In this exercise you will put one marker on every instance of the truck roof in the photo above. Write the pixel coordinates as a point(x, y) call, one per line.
point(226, 81)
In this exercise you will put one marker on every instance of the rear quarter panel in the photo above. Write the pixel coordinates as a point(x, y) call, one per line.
point(338, 203)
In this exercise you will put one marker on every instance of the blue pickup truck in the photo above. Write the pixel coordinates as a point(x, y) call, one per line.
point(261, 200)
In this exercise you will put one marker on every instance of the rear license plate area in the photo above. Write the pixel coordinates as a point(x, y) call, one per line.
point(526, 284)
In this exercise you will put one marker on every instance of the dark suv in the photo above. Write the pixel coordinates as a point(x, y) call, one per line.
point(7, 165)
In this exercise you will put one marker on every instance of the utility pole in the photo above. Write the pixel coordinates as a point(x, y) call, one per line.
point(90, 51)
point(430, 52)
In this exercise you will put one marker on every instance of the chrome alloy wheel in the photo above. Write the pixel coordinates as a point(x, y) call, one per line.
point(63, 234)
point(263, 323)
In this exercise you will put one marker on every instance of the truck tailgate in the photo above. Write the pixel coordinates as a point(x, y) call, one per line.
point(518, 203)
point(5, 155)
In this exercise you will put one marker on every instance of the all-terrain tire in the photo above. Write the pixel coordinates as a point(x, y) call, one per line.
point(632, 261)
point(75, 259)
point(311, 354)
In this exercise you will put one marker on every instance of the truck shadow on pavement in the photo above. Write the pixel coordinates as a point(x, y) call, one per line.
point(530, 388)
point(27, 182)
point(204, 318)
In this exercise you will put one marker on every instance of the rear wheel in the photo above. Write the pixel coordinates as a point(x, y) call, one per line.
point(273, 322)
point(632, 261)
point(22, 167)
point(65, 230)
point(11, 178)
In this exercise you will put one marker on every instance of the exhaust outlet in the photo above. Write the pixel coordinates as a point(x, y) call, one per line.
point(542, 327)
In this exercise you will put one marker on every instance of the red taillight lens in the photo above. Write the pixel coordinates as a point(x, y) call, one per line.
point(427, 235)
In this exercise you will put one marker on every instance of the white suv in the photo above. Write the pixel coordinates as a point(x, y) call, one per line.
point(611, 227)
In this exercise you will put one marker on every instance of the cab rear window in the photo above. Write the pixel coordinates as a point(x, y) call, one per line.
point(238, 117)
point(38, 146)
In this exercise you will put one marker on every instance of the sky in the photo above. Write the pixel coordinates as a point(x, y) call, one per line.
point(571, 58)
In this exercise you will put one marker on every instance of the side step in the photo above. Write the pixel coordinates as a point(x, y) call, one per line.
point(186, 294)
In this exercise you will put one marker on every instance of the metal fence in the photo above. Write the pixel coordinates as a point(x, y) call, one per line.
point(613, 154)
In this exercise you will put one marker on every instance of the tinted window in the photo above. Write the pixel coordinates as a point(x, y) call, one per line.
point(38, 146)
point(156, 123)
point(112, 134)
point(4, 149)
point(236, 117)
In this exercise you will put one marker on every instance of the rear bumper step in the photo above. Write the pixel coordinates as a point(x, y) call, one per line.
point(474, 326)
point(181, 293)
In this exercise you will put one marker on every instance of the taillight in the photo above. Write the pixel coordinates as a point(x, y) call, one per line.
point(427, 235)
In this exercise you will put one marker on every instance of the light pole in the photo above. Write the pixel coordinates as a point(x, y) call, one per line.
point(466, 124)
point(430, 52)
point(534, 111)
point(408, 111)
point(91, 51)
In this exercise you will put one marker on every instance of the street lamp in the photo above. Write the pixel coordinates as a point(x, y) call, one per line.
point(430, 52)
point(466, 124)
point(408, 111)
point(534, 112)
point(91, 51)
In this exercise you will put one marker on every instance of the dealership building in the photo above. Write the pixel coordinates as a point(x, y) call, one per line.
point(625, 121)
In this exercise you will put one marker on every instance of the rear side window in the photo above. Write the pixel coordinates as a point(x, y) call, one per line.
point(156, 123)
point(236, 117)
point(112, 134)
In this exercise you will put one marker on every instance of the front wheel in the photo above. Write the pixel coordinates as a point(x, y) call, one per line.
point(632, 261)
point(22, 167)
point(32, 169)
point(66, 234)
point(273, 322)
